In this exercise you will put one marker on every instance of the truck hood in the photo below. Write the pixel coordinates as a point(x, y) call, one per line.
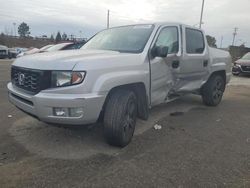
point(67, 60)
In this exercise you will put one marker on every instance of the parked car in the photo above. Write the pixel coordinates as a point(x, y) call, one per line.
point(13, 52)
point(242, 66)
point(43, 49)
point(65, 46)
point(74, 46)
point(58, 47)
point(34, 50)
point(4, 52)
point(118, 75)
point(20, 50)
point(29, 52)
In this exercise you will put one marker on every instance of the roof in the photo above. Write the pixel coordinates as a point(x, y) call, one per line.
point(158, 24)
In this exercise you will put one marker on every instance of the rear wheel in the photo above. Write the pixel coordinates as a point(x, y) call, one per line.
point(120, 117)
point(213, 90)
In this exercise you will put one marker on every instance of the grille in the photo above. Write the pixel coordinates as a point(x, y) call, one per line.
point(30, 80)
point(246, 68)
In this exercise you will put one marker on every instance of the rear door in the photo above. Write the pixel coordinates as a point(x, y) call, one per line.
point(192, 68)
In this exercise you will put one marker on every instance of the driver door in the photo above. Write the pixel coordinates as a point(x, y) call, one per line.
point(161, 74)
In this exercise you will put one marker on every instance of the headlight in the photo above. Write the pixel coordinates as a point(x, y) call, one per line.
point(236, 65)
point(66, 78)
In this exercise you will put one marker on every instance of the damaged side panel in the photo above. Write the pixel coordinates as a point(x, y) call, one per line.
point(193, 69)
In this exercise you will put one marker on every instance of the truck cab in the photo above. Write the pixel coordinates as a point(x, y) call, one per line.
point(118, 75)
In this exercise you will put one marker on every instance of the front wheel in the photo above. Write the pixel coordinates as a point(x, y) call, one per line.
point(213, 90)
point(120, 117)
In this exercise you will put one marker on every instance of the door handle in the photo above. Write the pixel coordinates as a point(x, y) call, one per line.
point(175, 64)
point(205, 63)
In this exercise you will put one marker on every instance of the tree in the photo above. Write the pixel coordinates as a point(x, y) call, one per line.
point(64, 36)
point(58, 37)
point(242, 45)
point(211, 41)
point(23, 30)
point(52, 38)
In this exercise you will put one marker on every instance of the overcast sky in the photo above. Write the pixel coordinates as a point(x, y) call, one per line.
point(86, 17)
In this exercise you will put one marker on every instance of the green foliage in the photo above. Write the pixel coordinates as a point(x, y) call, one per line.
point(52, 38)
point(23, 30)
point(64, 36)
point(58, 37)
point(211, 41)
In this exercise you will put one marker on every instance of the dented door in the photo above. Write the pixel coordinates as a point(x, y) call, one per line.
point(161, 73)
point(193, 65)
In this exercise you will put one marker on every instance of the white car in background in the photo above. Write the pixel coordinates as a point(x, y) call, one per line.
point(56, 47)
point(45, 48)
point(13, 52)
point(28, 52)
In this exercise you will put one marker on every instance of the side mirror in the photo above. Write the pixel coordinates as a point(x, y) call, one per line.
point(159, 51)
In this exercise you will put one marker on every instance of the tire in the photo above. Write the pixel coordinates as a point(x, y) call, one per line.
point(213, 90)
point(120, 118)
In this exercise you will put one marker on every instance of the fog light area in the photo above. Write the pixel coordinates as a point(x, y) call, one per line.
point(67, 112)
point(75, 112)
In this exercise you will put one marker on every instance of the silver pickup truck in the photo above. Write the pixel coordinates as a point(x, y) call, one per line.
point(118, 75)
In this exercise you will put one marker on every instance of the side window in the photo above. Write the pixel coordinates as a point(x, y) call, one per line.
point(194, 41)
point(169, 37)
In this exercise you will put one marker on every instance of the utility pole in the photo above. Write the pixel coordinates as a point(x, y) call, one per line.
point(221, 40)
point(80, 34)
point(234, 34)
point(108, 19)
point(202, 8)
point(14, 24)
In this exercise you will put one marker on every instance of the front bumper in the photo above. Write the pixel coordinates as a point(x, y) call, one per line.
point(41, 105)
point(238, 69)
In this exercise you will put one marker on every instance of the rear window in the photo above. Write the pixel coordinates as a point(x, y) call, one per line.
point(194, 41)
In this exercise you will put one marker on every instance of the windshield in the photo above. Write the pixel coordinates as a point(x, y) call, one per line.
point(123, 39)
point(246, 56)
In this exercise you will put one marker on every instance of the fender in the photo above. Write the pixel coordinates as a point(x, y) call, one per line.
point(114, 79)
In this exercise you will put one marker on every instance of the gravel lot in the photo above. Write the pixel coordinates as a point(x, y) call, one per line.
point(201, 147)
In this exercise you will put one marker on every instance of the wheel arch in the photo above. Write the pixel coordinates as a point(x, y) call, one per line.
point(217, 72)
point(139, 89)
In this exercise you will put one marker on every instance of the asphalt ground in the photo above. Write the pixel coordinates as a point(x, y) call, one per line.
point(197, 146)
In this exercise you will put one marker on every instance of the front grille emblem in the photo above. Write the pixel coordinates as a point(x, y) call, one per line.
point(21, 78)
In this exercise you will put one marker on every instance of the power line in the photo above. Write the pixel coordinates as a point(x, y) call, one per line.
point(221, 41)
